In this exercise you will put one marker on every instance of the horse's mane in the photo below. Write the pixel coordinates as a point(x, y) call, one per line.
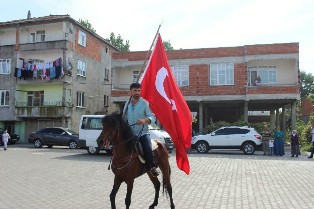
point(116, 120)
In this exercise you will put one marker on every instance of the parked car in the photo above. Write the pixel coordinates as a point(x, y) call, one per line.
point(161, 135)
point(233, 137)
point(13, 137)
point(55, 136)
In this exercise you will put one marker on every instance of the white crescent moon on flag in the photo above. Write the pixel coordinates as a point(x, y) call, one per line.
point(159, 83)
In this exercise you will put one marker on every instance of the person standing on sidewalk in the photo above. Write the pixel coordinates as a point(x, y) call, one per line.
point(266, 136)
point(294, 144)
point(5, 139)
point(312, 152)
point(279, 137)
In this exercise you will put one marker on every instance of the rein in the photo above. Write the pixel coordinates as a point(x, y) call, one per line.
point(129, 139)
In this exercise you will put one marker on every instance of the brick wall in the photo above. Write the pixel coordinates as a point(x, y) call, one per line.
point(199, 82)
point(92, 49)
point(240, 51)
point(273, 89)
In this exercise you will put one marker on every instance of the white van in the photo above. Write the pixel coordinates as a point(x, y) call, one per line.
point(89, 130)
point(91, 126)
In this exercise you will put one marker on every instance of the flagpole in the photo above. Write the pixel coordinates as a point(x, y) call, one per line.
point(141, 71)
point(148, 54)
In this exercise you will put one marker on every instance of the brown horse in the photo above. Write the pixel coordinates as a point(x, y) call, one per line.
point(125, 162)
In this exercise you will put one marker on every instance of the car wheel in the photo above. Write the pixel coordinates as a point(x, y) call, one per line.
point(93, 150)
point(38, 143)
point(202, 147)
point(248, 148)
point(72, 144)
point(49, 146)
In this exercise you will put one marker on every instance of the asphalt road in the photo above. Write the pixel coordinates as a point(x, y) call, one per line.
point(63, 178)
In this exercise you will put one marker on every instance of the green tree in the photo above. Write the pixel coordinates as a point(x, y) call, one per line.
point(167, 45)
point(87, 25)
point(306, 87)
point(118, 42)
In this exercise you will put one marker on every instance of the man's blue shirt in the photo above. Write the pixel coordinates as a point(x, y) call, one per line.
point(138, 111)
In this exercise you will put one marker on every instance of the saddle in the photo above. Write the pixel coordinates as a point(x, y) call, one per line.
point(139, 148)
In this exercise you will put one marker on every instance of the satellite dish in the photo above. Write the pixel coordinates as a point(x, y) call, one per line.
point(70, 63)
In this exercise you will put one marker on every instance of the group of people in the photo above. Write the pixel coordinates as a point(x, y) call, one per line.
point(273, 143)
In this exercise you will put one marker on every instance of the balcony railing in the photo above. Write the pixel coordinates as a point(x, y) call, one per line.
point(31, 81)
point(61, 44)
point(47, 110)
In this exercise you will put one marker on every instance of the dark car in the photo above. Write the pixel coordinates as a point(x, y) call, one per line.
point(13, 137)
point(55, 136)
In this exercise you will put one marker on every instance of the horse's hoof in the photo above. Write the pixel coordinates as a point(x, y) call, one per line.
point(151, 207)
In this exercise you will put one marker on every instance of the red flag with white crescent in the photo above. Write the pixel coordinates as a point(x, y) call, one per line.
point(165, 99)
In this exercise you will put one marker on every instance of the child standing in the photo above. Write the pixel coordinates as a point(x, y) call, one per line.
point(271, 146)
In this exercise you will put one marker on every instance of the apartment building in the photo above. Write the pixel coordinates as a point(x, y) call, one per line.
point(52, 70)
point(225, 84)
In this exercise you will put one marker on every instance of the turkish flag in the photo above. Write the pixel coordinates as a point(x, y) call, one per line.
point(160, 89)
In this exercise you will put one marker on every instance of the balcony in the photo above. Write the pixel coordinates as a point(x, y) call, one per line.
point(48, 110)
point(67, 78)
point(46, 45)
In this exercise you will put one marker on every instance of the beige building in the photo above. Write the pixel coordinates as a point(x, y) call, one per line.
point(219, 83)
point(52, 70)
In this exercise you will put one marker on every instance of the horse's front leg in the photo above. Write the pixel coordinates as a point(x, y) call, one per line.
point(114, 191)
point(129, 193)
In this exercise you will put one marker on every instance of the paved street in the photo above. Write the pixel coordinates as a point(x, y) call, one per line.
point(63, 178)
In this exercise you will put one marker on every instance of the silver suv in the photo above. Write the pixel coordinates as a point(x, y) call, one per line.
point(233, 137)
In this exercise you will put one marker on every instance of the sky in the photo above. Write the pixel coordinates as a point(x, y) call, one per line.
point(187, 24)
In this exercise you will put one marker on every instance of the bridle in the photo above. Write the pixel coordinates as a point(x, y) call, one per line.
point(133, 154)
point(123, 142)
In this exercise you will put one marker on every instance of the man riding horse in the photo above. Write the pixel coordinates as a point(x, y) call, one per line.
point(138, 114)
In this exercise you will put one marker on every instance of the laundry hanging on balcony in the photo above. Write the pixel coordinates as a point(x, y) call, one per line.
point(38, 70)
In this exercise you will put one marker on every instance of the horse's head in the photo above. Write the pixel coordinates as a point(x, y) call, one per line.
point(110, 127)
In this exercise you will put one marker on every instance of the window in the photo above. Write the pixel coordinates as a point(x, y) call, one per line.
point(35, 98)
point(221, 74)
point(4, 97)
point(135, 76)
point(82, 38)
point(33, 37)
point(267, 74)
point(181, 74)
point(92, 123)
point(106, 74)
point(107, 50)
point(81, 68)
point(106, 100)
point(40, 36)
point(5, 66)
point(80, 99)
